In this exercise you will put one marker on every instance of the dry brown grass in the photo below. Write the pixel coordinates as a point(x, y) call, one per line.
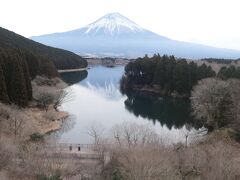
point(21, 158)
point(24, 122)
point(217, 160)
point(216, 157)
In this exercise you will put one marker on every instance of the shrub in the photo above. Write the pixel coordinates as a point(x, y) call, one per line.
point(36, 137)
point(56, 176)
point(44, 81)
point(44, 96)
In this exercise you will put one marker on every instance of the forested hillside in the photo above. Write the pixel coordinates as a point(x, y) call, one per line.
point(21, 60)
point(15, 79)
point(164, 75)
point(62, 59)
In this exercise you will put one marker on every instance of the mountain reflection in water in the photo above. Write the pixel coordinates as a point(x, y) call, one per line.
point(98, 100)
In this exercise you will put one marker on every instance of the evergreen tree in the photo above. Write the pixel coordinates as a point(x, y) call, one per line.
point(229, 72)
point(27, 79)
point(18, 89)
point(3, 89)
point(170, 75)
point(181, 77)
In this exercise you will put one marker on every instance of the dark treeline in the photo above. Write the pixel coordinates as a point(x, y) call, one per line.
point(166, 75)
point(229, 72)
point(62, 59)
point(167, 111)
point(220, 61)
point(17, 68)
point(15, 80)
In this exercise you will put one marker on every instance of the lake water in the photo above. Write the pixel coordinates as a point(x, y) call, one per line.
point(97, 101)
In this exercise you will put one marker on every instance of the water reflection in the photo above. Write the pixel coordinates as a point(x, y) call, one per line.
point(107, 90)
point(170, 112)
point(73, 77)
point(97, 99)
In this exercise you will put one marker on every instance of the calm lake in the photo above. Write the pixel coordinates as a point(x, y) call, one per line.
point(96, 100)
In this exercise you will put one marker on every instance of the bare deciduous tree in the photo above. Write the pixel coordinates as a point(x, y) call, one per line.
point(96, 131)
point(44, 96)
point(132, 134)
point(211, 159)
point(61, 96)
point(47, 95)
point(234, 85)
point(212, 102)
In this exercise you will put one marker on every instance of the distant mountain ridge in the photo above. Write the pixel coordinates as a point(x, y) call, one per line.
point(116, 35)
point(62, 59)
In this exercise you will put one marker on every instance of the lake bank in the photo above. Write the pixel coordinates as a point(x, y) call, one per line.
point(34, 119)
point(108, 62)
point(41, 123)
point(23, 132)
point(152, 90)
point(72, 70)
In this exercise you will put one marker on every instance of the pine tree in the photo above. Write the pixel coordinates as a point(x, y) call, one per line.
point(26, 76)
point(18, 89)
point(3, 89)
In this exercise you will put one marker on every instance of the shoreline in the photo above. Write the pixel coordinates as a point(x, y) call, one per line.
point(152, 90)
point(115, 63)
point(34, 121)
point(56, 124)
point(72, 70)
point(42, 124)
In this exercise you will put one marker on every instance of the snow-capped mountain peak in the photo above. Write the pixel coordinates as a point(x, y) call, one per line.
point(114, 35)
point(112, 23)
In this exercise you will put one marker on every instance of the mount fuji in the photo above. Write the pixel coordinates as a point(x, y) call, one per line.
point(116, 35)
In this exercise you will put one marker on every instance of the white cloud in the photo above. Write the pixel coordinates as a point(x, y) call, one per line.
point(213, 22)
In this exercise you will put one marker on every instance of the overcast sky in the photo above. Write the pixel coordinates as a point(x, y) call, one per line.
point(211, 22)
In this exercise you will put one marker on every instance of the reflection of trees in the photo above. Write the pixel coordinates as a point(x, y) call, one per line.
point(167, 111)
point(109, 90)
point(73, 77)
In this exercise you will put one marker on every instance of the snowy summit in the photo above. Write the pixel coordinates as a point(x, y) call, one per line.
point(117, 36)
point(113, 23)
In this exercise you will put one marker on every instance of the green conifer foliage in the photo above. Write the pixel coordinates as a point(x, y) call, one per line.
point(3, 90)
point(170, 75)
